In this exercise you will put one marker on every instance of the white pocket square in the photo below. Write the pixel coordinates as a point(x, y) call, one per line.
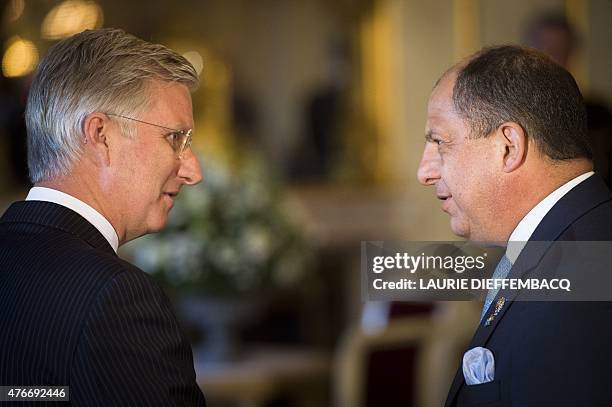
point(478, 366)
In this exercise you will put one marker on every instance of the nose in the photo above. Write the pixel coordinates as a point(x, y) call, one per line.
point(428, 172)
point(190, 170)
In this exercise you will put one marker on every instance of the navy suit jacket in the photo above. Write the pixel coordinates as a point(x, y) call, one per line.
point(550, 353)
point(74, 314)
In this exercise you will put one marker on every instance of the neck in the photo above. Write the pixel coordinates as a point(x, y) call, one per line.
point(533, 185)
point(86, 191)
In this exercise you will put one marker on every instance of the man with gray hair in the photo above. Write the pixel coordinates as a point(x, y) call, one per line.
point(109, 119)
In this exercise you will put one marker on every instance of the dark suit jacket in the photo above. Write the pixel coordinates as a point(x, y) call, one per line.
point(74, 314)
point(550, 353)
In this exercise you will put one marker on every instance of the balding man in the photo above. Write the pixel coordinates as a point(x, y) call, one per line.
point(507, 153)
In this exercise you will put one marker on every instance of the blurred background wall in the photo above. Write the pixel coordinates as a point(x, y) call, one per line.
point(319, 107)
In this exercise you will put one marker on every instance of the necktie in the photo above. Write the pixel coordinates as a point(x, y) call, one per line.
point(501, 272)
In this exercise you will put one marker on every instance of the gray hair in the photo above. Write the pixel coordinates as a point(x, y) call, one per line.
point(104, 70)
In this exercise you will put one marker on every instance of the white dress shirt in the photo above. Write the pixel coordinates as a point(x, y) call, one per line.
point(530, 222)
point(94, 217)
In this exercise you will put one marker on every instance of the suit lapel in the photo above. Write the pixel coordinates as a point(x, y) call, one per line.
point(527, 260)
point(59, 217)
point(582, 198)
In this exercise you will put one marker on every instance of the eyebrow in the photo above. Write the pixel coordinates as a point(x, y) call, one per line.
point(177, 127)
point(429, 135)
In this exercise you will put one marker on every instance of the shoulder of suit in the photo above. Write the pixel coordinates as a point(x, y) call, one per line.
point(593, 225)
point(71, 256)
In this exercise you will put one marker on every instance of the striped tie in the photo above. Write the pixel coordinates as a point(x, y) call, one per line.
point(501, 271)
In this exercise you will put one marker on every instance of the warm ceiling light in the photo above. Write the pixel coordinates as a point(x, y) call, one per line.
point(196, 60)
point(20, 57)
point(71, 17)
point(14, 10)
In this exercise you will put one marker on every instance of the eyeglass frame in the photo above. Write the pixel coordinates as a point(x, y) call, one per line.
point(187, 134)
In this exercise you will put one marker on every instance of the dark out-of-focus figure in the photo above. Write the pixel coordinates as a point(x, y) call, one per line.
point(244, 112)
point(13, 132)
point(554, 35)
point(325, 110)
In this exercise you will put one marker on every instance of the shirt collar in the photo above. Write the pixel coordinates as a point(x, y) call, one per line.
point(530, 222)
point(90, 214)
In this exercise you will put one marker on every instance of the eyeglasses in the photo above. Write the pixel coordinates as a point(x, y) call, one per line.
point(180, 140)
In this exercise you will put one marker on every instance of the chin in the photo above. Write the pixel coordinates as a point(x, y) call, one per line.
point(460, 229)
point(158, 225)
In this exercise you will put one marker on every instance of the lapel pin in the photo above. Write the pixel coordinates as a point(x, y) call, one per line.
point(498, 307)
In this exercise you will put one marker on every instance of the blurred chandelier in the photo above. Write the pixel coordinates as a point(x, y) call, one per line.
point(71, 17)
point(20, 57)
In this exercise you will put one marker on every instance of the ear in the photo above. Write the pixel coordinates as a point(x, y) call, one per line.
point(514, 143)
point(96, 130)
